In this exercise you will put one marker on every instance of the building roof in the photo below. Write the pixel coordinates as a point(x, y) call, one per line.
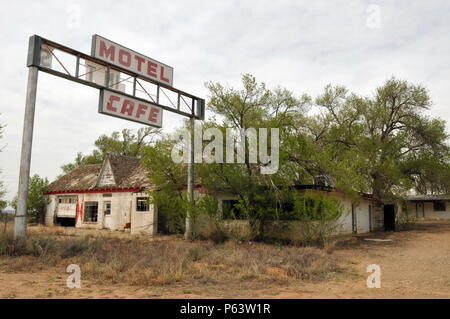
point(127, 172)
point(428, 197)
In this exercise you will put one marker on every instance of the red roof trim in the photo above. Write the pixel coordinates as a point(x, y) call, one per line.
point(90, 191)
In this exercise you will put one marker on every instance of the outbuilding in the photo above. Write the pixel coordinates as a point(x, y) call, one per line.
point(111, 195)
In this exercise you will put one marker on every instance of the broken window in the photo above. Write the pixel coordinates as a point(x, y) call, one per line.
point(90, 212)
point(107, 208)
point(142, 204)
point(67, 199)
point(439, 206)
point(230, 210)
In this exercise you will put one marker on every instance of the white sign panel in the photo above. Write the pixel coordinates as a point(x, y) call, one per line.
point(123, 57)
point(46, 56)
point(129, 108)
point(97, 73)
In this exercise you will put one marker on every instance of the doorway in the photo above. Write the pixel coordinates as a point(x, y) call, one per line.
point(354, 221)
point(389, 218)
point(107, 215)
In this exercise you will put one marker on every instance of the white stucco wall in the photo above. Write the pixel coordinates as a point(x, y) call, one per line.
point(144, 222)
point(361, 210)
point(123, 211)
point(422, 209)
point(50, 210)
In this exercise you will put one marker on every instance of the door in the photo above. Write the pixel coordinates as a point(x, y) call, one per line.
point(354, 221)
point(107, 215)
point(389, 218)
point(370, 218)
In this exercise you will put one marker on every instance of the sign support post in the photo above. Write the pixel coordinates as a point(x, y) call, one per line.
point(20, 219)
point(190, 180)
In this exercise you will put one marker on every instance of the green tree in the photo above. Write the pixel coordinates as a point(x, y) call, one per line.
point(125, 143)
point(37, 200)
point(384, 144)
point(253, 106)
point(169, 178)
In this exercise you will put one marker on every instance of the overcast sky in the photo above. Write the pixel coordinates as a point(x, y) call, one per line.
point(300, 45)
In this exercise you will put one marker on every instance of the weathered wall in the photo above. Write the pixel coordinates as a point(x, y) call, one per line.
point(422, 209)
point(50, 210)
point(144, 222)
point(363, 220)
point(106, 177)
point(123, 211)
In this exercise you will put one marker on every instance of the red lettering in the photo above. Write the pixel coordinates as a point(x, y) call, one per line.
point(127, 107)
point(111, 99)
point(153, 116)
point(151, 69)
point(123, 53)
point(107, 53)
point(142, 108)
point(162, 75)
point(139, 61)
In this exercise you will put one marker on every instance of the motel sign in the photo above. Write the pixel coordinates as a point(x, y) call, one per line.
point(132, 86)
point(123, 57)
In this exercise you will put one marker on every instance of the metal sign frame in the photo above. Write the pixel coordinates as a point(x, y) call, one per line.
point(34, 59)
point(36, 43)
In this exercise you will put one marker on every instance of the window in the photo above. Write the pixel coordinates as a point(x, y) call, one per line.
point(107, 195)
point(230, 211)
point(90, 212)
point(67, 199)
point(107, 208)
point(142, 204)
point(439, 206)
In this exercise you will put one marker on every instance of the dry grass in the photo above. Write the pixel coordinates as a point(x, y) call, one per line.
point(114, 257)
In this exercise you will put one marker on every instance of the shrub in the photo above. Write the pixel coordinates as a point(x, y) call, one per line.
point(404, 219)
point(209, 207)
point(71, 248)
point(317, 217)
point(40, 246)
point(194, 254)
point(238, 231)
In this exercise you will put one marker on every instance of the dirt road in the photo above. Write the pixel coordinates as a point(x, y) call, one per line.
point(414, 264)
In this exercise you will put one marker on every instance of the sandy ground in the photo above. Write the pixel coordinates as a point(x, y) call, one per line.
point(414, 264)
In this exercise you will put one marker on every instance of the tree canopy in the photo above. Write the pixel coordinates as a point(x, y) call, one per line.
point(37, 201)
point(125, 143)
point(390, 145)
point(384, 145)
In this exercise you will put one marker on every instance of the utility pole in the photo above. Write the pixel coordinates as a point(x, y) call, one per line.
point(190, 180)
point(20, 218)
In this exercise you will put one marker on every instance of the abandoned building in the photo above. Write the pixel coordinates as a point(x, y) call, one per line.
point(429, 206)
point(114, 195)
point(110, 195)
